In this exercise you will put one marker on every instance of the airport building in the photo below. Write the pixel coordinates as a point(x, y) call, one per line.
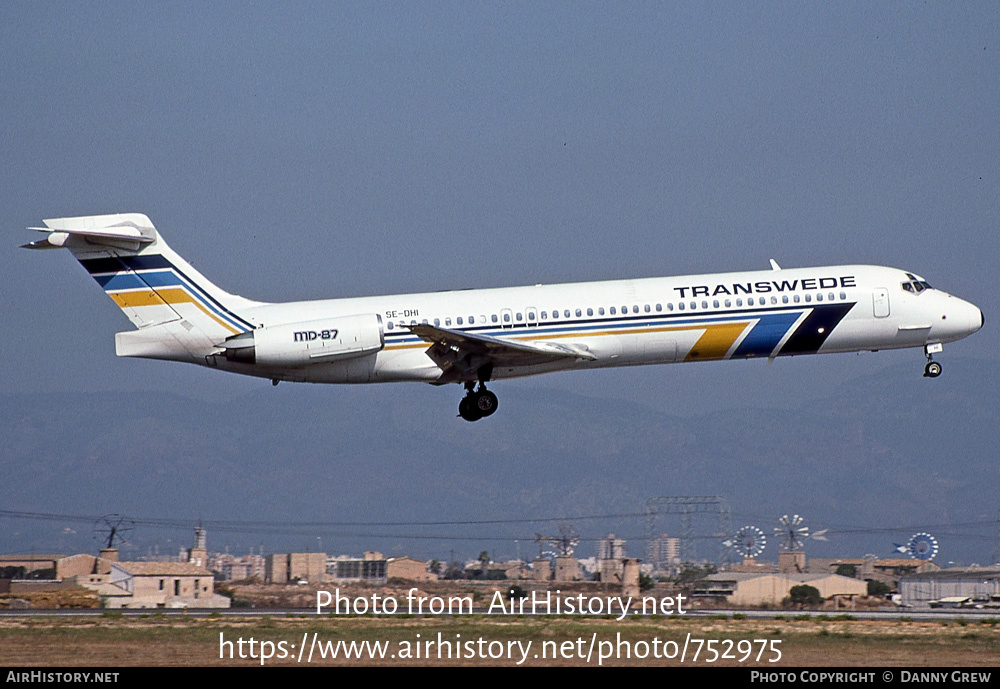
point(753, 589)
point(958, 587)
point(156, 585)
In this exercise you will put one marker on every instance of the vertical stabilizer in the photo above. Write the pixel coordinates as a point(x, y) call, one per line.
point(179, 313)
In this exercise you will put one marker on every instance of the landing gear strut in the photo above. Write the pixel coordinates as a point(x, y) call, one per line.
point(933, 368)
point(478, 402)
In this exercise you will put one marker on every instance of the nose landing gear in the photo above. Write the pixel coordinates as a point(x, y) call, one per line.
point(933, 368)
point(478, 402)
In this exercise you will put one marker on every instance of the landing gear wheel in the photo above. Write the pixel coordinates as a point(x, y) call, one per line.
point(468, 410)
point(477, 403)
point(486, 402)
point(932, 369)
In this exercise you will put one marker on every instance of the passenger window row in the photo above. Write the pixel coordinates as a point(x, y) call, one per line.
point(534, 317)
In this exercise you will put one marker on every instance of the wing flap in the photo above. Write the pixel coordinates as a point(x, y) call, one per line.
point(456, 351)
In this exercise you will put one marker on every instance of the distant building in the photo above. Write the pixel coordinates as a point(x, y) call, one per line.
point(28, 564)
point(792, 561)
point(567, 568)
point(980, 585)
point(886, 570)
point(541, 569)
point(610, 552)
point(371, 567)
point(233, 568)
point(409, 569)
point(283, 568)
point(155, 585)
point(664, 553)
point(198, 555)
point(611, 548)
point(750, 589)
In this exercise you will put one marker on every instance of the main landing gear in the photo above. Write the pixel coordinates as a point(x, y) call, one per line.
point(478, 402)
point(933, 368)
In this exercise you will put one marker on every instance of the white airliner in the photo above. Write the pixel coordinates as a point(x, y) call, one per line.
point(472, 337)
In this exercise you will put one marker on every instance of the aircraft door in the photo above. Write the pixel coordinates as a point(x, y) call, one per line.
point(506, 319)
point(880, 301)
point(531, 316)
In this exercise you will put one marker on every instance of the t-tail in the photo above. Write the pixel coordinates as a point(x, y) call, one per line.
point(179, 314)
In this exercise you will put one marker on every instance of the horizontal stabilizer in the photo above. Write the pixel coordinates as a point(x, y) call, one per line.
point(96, 229)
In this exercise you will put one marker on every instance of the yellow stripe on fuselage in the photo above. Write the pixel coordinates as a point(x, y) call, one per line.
point(716, 341)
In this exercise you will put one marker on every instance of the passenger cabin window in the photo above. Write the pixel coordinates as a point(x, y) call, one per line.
point(389, 325)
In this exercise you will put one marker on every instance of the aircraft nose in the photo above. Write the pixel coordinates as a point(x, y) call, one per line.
point(975, 317)
point(959, 319)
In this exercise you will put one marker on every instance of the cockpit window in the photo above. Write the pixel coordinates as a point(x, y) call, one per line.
point(915, 284)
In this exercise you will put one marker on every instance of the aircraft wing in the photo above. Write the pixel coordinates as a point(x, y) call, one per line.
point(461, 354)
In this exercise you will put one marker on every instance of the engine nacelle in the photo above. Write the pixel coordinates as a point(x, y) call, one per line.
point(310, 342)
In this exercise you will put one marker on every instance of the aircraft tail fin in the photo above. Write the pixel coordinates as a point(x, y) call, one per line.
point(157, 290)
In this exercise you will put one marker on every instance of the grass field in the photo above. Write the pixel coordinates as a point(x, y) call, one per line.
point(809, 641)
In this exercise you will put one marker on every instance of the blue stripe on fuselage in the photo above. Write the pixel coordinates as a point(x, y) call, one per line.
point(766, 334)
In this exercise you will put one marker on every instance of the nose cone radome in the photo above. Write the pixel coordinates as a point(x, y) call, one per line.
point(968, 318)
point(956, 319)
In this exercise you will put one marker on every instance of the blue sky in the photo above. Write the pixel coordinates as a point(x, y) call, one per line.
point(312, 150)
